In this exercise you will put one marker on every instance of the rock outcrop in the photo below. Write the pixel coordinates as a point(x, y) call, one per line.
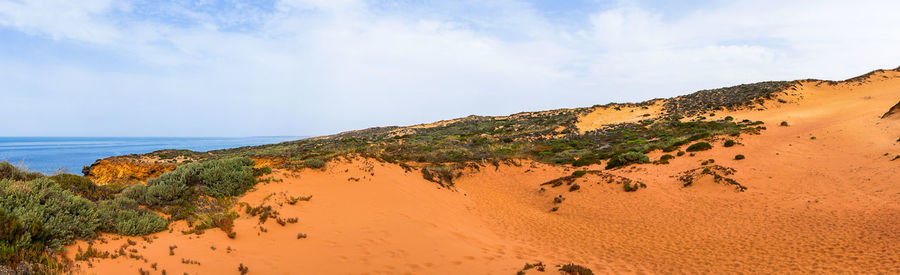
point(126, 170)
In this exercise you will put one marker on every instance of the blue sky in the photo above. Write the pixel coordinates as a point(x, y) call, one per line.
point(314, 67)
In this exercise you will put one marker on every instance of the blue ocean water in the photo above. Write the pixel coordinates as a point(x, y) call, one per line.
point(49, 154)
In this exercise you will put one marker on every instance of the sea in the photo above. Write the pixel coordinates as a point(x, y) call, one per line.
point(51, 155)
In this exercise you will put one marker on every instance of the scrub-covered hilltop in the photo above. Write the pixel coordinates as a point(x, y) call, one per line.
point(560, 137)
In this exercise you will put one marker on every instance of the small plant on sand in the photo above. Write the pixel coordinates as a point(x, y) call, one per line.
point(579, 173)
point(629, 187)
point(699, 146)
point(784, 123)
point(243, 269)
point(680, 153)
point(538, 266)
point(574, 187)
point(293, 200)
point(301, 236)
point(89, 253)
point(554, 209)
point(664, 159)
point(729, 143)
point(559, 199)
point(739, 157)
point(574, 269)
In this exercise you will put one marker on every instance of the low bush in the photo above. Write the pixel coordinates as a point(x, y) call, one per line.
point(629, 187)
point(314, 163)
point(22, 243)
point(221, 220)
point(574, 269)
point(784, 123)
point(729, 143)
point(442, 175)
point(8, 171)
point(579, 173)
point(216, 178)
point(63, 215)
point(123, 216)
point(699, 146)
point(739, 157)
point(574, 187)
point(627, 158)
point(40, 216)
point(664, 159)
point(559, 199)
point(83, 187)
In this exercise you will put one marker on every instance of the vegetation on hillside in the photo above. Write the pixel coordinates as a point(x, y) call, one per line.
point(39, 215)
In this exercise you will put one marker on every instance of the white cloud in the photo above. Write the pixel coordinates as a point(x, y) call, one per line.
point(60, 19)
point(317, 67)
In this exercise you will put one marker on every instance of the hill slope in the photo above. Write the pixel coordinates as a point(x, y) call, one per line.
point(815, 192)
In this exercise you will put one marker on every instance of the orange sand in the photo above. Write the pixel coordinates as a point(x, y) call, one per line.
point(605, 115)
point(824, 205)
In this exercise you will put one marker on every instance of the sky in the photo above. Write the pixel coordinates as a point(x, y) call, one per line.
point(317, 67)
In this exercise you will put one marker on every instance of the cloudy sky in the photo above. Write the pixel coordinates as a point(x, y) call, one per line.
point(313, 67)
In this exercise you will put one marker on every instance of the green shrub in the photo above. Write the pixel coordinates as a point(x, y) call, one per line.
point(739, 157)
point(574, 187)
point(63, 215)
point(228, 177)
point(8, 171)
point(122, 216)
point(784, 123)
point(83, 186)
point(629, 187)
point(216, 178)
point(314, 163)
point(627, 159)
point(574, 269)
point(699, 146)
point(729, 143)
point(20, 242)
point(680, 153)
point(666, 157)
point(579, 173)
point(585, 161)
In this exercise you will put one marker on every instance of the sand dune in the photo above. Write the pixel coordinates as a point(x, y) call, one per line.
point(822, 197)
